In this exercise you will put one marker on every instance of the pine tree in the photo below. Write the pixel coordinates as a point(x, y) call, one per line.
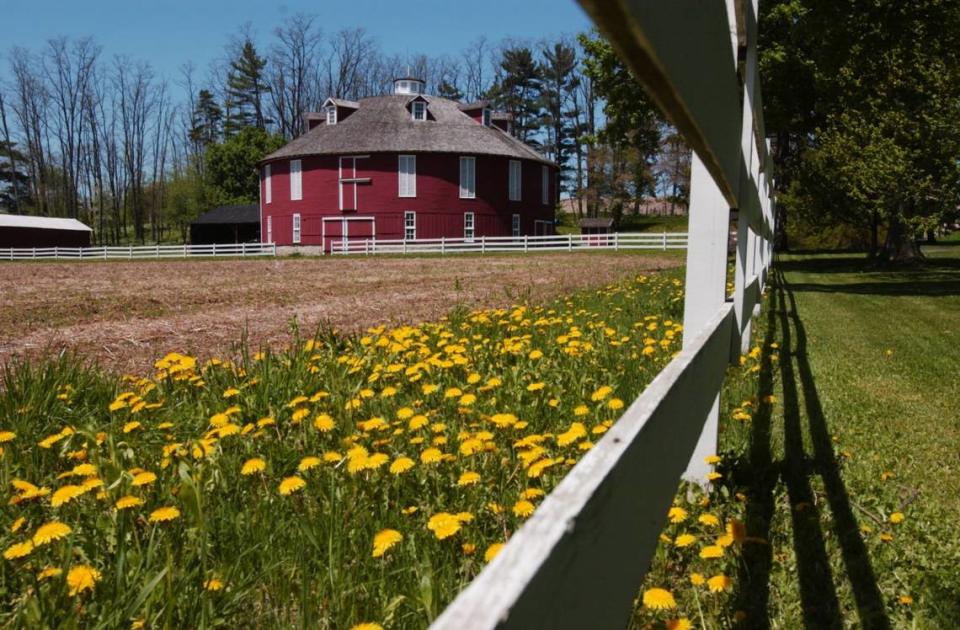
point(560, 81)
point(14, 182)
point(518, 92)
point(246, 88)
point(450, 91)
point(206, 120)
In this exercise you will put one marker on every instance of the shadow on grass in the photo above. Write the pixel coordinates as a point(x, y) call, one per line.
point(820, 604)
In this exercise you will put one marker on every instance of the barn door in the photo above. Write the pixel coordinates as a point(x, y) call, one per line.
point(349, 182)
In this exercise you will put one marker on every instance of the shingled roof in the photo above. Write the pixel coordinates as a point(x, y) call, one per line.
point(383, 124)
point(231, 214)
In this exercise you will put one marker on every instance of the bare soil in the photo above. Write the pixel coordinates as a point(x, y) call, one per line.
point(124, 315)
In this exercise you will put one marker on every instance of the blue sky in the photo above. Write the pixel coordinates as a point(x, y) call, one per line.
point(168, 34)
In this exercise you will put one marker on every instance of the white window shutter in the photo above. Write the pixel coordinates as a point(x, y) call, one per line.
point(296, 187)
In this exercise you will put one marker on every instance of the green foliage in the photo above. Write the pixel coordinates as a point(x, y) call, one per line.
point(518, 92)
point(231, 166)
point(206, 121)
point(246, 87)
point(14, 178)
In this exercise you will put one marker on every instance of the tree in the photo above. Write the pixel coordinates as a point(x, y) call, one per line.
point(518, 92)
point(293, 80)
point(246, 88)
point(207, 117)
point(558, 92)
point(231, 166)
point(447, 90)
point(14, 180)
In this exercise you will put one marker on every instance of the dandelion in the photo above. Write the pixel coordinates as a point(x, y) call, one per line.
point(615, 404)
point(17, 524)
point(131, 426)
point(49, 532)
point(143, 479)
point(230, 392)
point(431, 456)
point(719, 583)
point(697, 579)
point(906, 600)
point(711, 459)
point(523, 508)
point(677, 515)
point(684, 540)
point(535, 354)
point(127, 502)
point(291, 484)
point(713, 476)
point(535, 387)
point(468, 478)
point(384, 540)
point(323, 423)
point(897, 517)
point(367, 625)
point(709, 520)
point(18, 550)
point(443, 525)
point(213, 584)
point(307, 463)
point(401, 465)
point(885, 537)
point(66, 494)
point(164, 514)
point(581, 410)
point(659, 599)
point(82, 577)
point(49, 572)
point(601, 393)
point(679, 624)
point(711, 551)
point(7, 436)
point(253, 466)
point(492, 551)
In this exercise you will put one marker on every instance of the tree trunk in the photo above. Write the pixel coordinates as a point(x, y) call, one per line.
point(901, 247)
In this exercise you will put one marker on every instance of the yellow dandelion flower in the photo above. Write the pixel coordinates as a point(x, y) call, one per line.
point(131, 426)
point(709, 520)
point(291, 484)
point(297, 416)
point(601, 393)
point(492, 551)
point(885, 537)
point(697, 579)
point(418, 421)
point(503, 420)
point(679, 624)
point(143, 479)
point(164, 514)
point(82, 577)
point(453, 392)
point(711, 459)
point(535, 387)
point(230, 392)
point(431, 456)
point(332, 457)
point(410, 509)
point(66, 494)
point(49, 572)
point(384, 540)
point(253, 466)
point(719, 583)
point(615, 404)
point(308, 462)
point(468, 478)
point(724, 540)
point(576, 431)
point(677, 515)
point(659, 599)
point(523, 508)
point(532, 493)
point(711, 551)
point(897, 517)
point(7, 436)
point(401, 465)
point(684, 540)
point(535, 354)
point(213, 584)
point(906, 600)
point(443, 525)
point(124, 503)
point(48, 532)
point(581, 410)
point(367, 625)
point(17, 524)
point(713, 476)
point(18, 550)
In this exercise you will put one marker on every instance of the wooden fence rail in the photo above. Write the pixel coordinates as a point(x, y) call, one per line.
point(491, 244)
point(138, 252)
point(579, 560)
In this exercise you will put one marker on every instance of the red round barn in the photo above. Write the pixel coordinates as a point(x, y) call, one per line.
point(407, 165)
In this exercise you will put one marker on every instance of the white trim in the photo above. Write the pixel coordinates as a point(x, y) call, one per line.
point(46, 223)
point(469, 226)
point(353, 180)
point(268, 183)
point(344, 229)
point(331, 114)
point(297, 228)
point(515, 225)
point(418, 105)
point(468, 177)
point(411, 216)
point(407, 180)
point(545, 185)
point(296, 180)
point(515, 177)
point(270, 228)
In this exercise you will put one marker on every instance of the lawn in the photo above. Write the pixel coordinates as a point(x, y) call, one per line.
point(840, 455)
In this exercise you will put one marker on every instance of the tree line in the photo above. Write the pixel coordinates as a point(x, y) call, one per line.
point(105, 140)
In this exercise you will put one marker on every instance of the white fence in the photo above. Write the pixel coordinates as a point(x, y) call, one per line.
point(490, 244)
point(137, 253)
point(579, 560)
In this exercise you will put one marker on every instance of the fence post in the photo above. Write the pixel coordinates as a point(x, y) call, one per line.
point(705, 288)
point(664, 240)
point(483, 244)
point(616, 241)
point(56, 253)
point(404, 245)
point(34, 254)
point(524, 243)
point(443, 246)
point(214, 250)
point(374, 243)
point(570, 242)
point(104, 252)
point(79, 249)
point(130, 252)
point(156, 250)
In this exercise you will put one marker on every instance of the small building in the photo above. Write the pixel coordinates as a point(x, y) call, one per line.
point(19, 230)
point(405, 166)
point(227, 224)
point(596, 225)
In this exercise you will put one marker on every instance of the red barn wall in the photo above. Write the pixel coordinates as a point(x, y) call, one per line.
point(438, 205)
point(42, 237)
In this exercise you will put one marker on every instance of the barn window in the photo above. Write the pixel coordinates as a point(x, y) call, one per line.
point(296, 189)
point(468, 230)
point(419, 110)
point(331, 115)
point(269, 229)
point(514, 180)
point(267, 185)
point(515, 226)
point(296, 229)
point(409, 225)
point(468, 178)
point(408, 176)
point(486, 117)
point(545, 185)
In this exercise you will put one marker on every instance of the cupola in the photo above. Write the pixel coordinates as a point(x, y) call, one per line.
point(408, 85)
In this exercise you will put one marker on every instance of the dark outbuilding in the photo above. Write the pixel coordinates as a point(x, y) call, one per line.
point(227, 224)
point(596, 225)
point(17, 230)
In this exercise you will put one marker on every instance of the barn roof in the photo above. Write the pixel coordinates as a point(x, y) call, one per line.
point(230, 214)
point(596, 222)
point(383, 124)
point(42, 223)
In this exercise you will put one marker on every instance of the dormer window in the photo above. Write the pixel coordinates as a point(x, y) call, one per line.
point(486, 116)
point(331, 115)
point(419, 110)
